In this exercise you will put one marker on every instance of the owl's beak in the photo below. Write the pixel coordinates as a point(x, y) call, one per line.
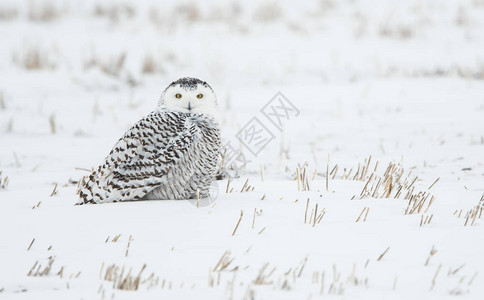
point(189, 106)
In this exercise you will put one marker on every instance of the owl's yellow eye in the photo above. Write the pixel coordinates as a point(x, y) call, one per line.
point(178, 95)
point(200, 96)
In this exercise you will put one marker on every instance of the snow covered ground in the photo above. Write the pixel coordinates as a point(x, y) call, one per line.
point(401, 82)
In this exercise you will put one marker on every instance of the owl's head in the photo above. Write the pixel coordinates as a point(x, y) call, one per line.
point(190, 95)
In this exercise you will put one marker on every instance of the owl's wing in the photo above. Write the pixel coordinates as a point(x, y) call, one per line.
point(152, 146)
point(140, 159)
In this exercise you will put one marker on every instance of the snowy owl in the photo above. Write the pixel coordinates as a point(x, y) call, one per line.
point(170, 154)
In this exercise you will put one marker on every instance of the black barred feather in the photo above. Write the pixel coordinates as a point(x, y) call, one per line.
point(166, 155)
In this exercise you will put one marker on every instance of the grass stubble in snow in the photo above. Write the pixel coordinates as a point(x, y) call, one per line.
point(237, 273)
point(374, 192)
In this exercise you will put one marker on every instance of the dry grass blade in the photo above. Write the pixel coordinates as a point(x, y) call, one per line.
point(383, 254)
point(121, 281)
point(223, 262)
point(306, 212)
point(32, 269)
point(434, 183)
point(361, 214)
point(261, 173)
point(244, 186)
point(82, 169)
point(253, 219)
point(2, 101)
point(61, 272)
point(430, 203)
point(262, 277)
point(238, 222)
point(315, 214)
point(472, 278)
point(53, 127)
point(3, 181)
point(116, 238)
point(31, 243)
point(303, 264)
point(433, 251)
point(39, 272)
point(415, 179)
point(127, 247)
point(434, 279)
point(54, 191)
point(366, 185)
point(228, 184)
point(366, 214)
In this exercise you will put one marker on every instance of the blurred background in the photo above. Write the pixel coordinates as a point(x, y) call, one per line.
point(242, 42)
point(376, 71)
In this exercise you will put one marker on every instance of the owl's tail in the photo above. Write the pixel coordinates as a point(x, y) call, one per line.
point(90, 190)
point(101, 187)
